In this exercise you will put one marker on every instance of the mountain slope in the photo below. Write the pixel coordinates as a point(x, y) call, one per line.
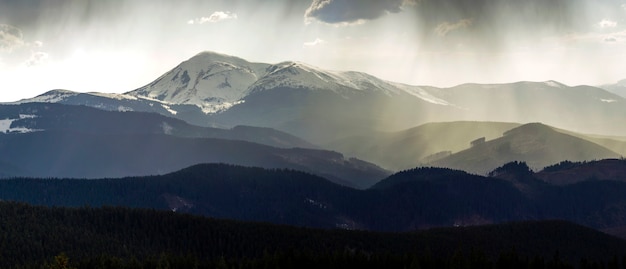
point(618, 88)
point(82, 119)
point(122, 102)
point(537, 144)
point(416, 146)
point(82, 155)
point(566, 173)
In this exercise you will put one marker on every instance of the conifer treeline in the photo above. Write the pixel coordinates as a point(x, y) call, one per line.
point(116, 237)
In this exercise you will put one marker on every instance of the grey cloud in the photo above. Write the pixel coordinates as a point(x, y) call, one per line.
point(10, 38)
point(352, 11)
point(14, 49)
point(446, 27)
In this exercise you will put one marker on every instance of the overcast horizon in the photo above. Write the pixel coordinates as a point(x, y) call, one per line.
point(118, 46)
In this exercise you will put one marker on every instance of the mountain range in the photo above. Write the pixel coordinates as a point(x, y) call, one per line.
point(322, 106)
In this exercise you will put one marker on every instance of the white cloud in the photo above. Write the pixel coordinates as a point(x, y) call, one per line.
point(592, 37)
point(37, 58)
point(315, 42)
point(215, 17)
point(607, 24)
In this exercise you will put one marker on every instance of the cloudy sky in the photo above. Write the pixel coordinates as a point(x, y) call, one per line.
point(120, 45)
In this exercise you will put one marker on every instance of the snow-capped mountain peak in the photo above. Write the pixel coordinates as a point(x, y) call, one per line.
point(212, 81)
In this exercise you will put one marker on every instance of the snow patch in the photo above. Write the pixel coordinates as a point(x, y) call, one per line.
point(124, 109)
point(315, 203)
point(167, 129)
point(116, 96)
point(173, 112)
point(424, 95)
point(5, 127)
point(554, 84)
point(219, 107)
point(608, 100)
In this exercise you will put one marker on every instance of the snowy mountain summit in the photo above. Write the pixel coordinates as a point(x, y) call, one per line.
point(211, 81)
point(216, 82)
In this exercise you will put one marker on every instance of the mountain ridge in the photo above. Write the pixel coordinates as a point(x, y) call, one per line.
point(211, 89)
point(537, 144)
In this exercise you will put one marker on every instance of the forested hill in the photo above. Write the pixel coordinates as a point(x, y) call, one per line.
point(413, 199)
point(115, 237)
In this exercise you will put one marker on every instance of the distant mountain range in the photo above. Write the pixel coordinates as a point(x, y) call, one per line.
point(322, 106)
point(618, 88)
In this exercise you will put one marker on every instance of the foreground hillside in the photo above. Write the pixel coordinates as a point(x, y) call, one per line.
point(134, 238)
point(413, 199)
